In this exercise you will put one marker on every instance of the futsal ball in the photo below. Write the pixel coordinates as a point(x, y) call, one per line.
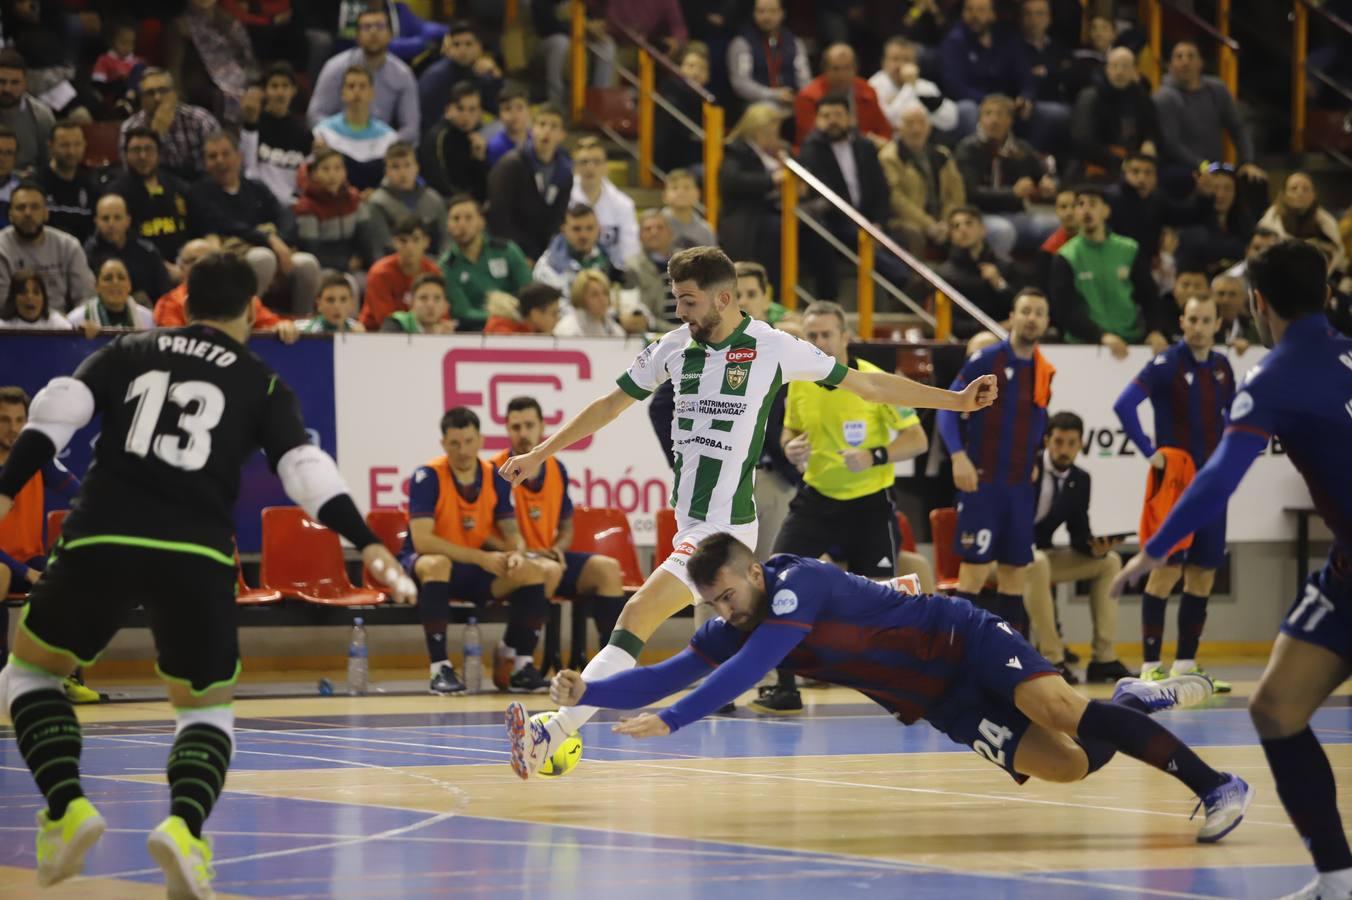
point(562, 760)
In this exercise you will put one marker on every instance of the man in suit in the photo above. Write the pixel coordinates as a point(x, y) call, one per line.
point(1062, 490)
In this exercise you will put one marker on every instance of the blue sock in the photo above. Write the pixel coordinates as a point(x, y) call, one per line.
point(1307, 789)
point(1141, 737)
point(1152, 625)
point(528, 606)
point(434, 609)
point(1010, 608)
point(1100, 752)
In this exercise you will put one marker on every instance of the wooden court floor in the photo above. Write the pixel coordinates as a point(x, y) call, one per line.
point(406, 796)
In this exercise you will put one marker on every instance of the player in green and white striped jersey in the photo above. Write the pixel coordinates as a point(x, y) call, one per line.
point(727, 369)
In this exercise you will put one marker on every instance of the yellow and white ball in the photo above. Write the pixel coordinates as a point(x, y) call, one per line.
point(565, 757)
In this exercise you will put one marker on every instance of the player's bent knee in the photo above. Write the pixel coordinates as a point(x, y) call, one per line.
point(1271, 717)
point(433, 567)
point(1199, 582)
point(1112, 562)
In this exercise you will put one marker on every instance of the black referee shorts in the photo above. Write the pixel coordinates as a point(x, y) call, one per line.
point(84, 598)
point(860, 534)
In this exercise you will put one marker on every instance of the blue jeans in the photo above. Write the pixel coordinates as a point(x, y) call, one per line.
point(1007, 232)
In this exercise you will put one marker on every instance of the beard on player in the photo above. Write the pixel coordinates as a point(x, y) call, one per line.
point(756, 609)
point(703, 330)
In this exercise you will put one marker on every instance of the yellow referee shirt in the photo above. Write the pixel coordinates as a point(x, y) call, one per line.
point(840, 420)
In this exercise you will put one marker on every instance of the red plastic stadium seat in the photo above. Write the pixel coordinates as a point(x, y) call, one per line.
point(247, 596)
point(303, 559)
point(907, 535)
point(606, 531)
point(55, 519)
point(103, 143)
point(391, 526)
point(666, 533)
point(943, 529)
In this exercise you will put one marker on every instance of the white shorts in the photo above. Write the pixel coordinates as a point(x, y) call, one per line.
point(685, 541)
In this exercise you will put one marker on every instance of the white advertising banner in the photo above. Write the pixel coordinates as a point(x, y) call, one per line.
point(392, 390)
point(1087, 382)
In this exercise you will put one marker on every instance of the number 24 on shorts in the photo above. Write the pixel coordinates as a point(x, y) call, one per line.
point(995, 737)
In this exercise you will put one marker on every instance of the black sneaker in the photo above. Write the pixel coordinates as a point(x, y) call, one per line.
point(1107, 672)
point(1066, 673)
point(777, 700)
point(1071, 656)
point(446, 682)
point(727, 709)
point(528, 680)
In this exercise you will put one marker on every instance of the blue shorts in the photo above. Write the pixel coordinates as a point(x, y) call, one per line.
point(468, 582)
point(1322, 614)
point(573, 563)
point(995, 523)
point(978, 709)
point(1208, 547)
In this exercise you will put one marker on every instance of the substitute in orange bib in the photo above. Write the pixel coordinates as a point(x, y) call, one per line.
point(463, 542)
point(544, 514)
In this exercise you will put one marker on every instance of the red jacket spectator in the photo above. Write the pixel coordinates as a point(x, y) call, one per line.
point(387, 289)
point(504, 325)
point(170, 311)
point(840, 73)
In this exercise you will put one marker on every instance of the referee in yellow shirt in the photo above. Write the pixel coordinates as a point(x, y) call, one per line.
point(843, 511)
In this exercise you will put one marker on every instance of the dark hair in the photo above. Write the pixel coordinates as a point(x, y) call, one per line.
point(220, 287)
point(18, 282)
point(712, 554)
point(1091, 190)
point(28, 184)
point(323, 155)
point(835, 99)
point(537, 295)
point(457, 199)
point(579, 210)
point(370, 10)
point(1189, 42)
point(549, 109)
point(141, 131)
point(1065, 421)
point(459, 417)
point(1138, 156)
point(221, 135)
point(64, 125)
point(463, 26)
point(333, 278)
point(513, 91)
point(970, 211)
point(1292, 277)
point(10, 133)
point(706, 266)
point(518, 404)
point(428, 278)
point(407, 226)
point(1263, 231)
point(462, 89)
point(753, 270)
point(1029, 292)
point(12, 395)
point(12, 59)
point(399, 150)
point(359, 70)
point(280, 69)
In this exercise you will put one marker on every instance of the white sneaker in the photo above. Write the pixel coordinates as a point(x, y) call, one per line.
point(1326, 886)
point(1225, 807)
point(530, 740)
point(1176, 692)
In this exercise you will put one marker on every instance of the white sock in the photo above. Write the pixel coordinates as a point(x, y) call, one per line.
point(1340, 879)
point(1183, 665)
point(609, 661)
point(435, 667)
point(521, 662)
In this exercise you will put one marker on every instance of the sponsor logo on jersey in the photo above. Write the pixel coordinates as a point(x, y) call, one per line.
point(743, 355)
point(855, 430)
point(1014, 663)
point(785, 602)
point(685, 548)
point(967, 540)
point(467, 523)
point(735, 377)
point(1241, 406)
point(534, 513)
point(497, 267)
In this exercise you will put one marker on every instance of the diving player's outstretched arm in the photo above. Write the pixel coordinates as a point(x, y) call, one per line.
point(898, 390)
point(631, 689)
point(597, 415)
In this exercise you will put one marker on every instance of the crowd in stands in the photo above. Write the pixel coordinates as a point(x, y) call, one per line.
point(1006, 144)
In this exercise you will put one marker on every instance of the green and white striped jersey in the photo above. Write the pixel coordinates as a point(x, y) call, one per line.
point(723, 397)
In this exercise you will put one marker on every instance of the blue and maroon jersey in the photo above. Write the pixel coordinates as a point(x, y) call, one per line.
point(1189, 399)
point(901, 651)
point(1003, 440)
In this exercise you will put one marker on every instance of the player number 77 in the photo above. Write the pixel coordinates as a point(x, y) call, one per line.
point(1313, 599)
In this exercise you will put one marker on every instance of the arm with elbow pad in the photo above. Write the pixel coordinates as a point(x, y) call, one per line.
point(59, 410)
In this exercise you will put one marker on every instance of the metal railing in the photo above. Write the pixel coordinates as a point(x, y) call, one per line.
point(1300, 66)
point(1151, 13)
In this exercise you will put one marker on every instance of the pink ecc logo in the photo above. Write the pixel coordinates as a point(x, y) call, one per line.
point(485, 380)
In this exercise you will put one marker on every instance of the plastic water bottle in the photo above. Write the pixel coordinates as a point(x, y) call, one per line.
point(358, 671)
point(474, 658)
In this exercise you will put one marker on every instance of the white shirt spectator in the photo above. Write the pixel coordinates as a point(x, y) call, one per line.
point(894, 97)
point(578, 324)
point(618, 217)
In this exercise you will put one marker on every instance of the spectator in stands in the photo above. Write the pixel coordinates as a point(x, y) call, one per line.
point(1237, 329)
point(9, 180)
point(536, 311)
point(453, 155)
point(156, 200)
point(1196, 113)
point(840, 75)
point(576, 247)
point(171, 310)
point(396, 90)
point(112, 305)
point(1226, 220)
point(1070, 226)
point(514, 115)
point(274, 140)
point(29, 118)
point(401, 194)
point(112, 72)
point(1141, 210)
point(1262, 239)
point(27, 243)
point(898, 84)
point(528, 189)
point(26, 305)
point(1296, 213)
point(680, 193)
point(389, 284)
point(658, 21)
point(1114, 118)
point(614, 209)
point(479, 268)
point(112, 239)
point(1004, 176)
point(590, 313)
point(275, 31)
point(974, 270)
point(981, 58)
point(332, 224)
point(1049, 64)
point(233, 207)
point(753, 295)
point(428, 310)
point(334, 306)
point(71, 189)
point(1191, 283)
point(749, 181)
point(551, 21)
point(924, 183)
point(463, 59)
point(766, 62)
point(360, 137)
point(182, 128)
point(1102, 292)
point(210, 55)
point(646, 272)
point(1091, 56)
point(674, 145)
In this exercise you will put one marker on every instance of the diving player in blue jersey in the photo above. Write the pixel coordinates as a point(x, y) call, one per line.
point(1302, 394)
point(926, 656)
